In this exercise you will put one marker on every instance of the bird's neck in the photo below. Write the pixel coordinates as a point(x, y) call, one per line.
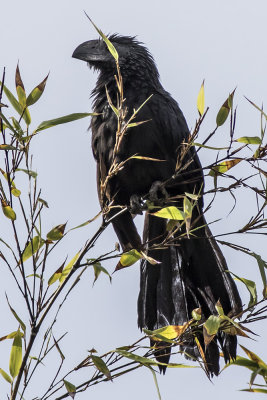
point(140, 82)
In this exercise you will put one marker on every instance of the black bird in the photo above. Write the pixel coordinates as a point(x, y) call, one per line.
point(191, 273)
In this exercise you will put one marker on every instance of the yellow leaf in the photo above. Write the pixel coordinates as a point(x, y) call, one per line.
point(224, 166)
point(170, 213)
point(128, 259)
point(201, 100)
point(15, 356)
point(68, 268)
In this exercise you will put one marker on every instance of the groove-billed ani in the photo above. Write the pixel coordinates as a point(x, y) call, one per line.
point(191, 273)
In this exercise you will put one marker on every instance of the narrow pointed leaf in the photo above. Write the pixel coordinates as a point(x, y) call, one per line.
point(249, 140)
point(255, 358)
point(146, 158)
point(110, 46)
point(8, 211)
point(68, 268)
point(71, 389)
point(151, 260)
point(44, 202)
point(7, 147)
point(15, 356)
point(223, 167)
point(61, 120)
point(255, 390)
point(5, 376)
point(210, 328)
point(36, 93)
point(170, 213)
point(128, 259)
point(17, 106)
point(101, 366)
point(20, 88)
point(208, 147)
point(23, 326)
point(251, 286)
point(201, 100)
point(33, 246)
point(224, 110)
point(57, 232)
point(28, 172)
point(188, 207)
point(156, 382)
point(98, 269)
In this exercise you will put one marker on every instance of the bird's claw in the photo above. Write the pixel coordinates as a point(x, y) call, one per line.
point(135, 205)
point(157, 192)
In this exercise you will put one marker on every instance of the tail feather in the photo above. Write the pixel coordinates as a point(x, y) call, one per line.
point(192, 273)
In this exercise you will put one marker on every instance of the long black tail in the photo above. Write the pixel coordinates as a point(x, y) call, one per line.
point(191, 274)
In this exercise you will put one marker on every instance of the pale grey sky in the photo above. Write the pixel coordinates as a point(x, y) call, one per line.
point(221, 41)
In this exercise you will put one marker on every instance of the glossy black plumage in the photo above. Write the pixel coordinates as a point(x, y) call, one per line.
point(192, 271)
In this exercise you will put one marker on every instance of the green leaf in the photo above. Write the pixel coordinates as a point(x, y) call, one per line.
point(7, 147)
point(57, 232)
point(262, 266)
point(17, 106)
point(9, 126)
point(223, 167)
point(8, 211)
point(17, 127)
point(15, 356)
point(196, 314)
point(192, 196)
point(36, 93)
point(128, 259)
point(5, 376)
point(208, 147)
point(254, 390)
point(101, 366)
point(71, 389)
point(188, 208)
point(68, 268)
point(20, 88)
point(258, 108)
point(255, 358)
point(44, 202)
point(87, 222)
point(243, 362)
point(224, 110)
point(210, 328)
point(170, 213)
point(249, 140)
point(251, 286)
point(56, 275)
point(139, 359)
point(110, 46)
point(201, 100)
point(28, 172)
point(16, 192)
point(23, 326)
point(98, 269)
point(61, 120)
point(33, 246)
point(156, 382)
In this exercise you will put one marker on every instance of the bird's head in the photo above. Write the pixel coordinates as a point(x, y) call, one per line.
point(134, 58)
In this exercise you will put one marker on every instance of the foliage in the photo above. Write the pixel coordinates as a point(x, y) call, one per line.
point(34, 247)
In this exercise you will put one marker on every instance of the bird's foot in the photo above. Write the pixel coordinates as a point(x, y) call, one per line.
point(135, 205)
point(157, 192)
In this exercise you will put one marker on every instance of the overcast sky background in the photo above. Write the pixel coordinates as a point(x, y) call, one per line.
point(221, 41)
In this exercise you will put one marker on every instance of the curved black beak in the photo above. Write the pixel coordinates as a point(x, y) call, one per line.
point(90, 51)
